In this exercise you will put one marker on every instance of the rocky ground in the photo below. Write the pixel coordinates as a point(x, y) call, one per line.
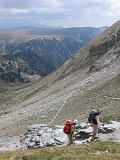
point(10, 143)
point(42, 135)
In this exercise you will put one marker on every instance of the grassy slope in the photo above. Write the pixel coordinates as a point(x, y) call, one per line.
point(93, 151)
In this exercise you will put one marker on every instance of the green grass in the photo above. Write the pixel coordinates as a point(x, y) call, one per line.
point(92, 151)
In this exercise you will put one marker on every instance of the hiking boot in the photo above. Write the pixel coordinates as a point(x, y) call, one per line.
point(92, 139)
point(96, 137)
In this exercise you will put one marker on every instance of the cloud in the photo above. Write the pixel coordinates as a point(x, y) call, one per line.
point(22, 4)
point(19, 11)
point(61, 12)
point(114, 7)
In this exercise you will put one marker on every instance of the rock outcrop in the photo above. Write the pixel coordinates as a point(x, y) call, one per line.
point(15, 69)
point(42, 135)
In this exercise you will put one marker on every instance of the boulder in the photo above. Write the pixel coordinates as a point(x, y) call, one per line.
point(42, 135)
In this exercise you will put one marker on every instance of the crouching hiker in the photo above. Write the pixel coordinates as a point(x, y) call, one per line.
point(93, 119)
point(69, 129)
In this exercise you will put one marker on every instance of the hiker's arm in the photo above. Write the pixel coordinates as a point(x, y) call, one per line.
point(77, 130)
point(98, 120)
point(76, 133)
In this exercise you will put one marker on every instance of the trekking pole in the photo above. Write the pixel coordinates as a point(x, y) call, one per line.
point(101, 128)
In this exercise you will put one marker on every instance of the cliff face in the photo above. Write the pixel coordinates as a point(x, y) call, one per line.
point(113, 41)
point(11, 69)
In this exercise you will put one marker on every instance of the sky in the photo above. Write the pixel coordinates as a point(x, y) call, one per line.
point(65, 13)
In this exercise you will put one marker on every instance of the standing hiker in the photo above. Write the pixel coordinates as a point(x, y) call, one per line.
point(69, 129)
point(93, 119)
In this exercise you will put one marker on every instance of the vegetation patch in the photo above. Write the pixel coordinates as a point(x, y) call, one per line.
point(92, 151)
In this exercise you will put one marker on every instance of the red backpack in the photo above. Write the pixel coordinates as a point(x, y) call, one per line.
point(67, 128)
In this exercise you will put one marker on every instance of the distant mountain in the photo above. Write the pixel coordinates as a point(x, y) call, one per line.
point(42, 50)
point(81, 34)
point(16, 26)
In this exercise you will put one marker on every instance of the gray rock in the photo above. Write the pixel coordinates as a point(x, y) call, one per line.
point(42, 135)
point(84, 125)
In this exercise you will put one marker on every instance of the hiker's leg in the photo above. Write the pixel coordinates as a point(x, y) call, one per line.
point(95, 128)
point(70, 137)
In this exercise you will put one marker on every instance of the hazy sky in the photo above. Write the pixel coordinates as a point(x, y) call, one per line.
point(64, 13)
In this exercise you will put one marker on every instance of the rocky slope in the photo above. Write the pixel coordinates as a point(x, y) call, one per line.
point(13, 69)
point(89, 79)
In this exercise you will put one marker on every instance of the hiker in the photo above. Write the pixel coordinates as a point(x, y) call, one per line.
point(76, 129)
point(76, 126)
point(69, 129)
point(93, 119)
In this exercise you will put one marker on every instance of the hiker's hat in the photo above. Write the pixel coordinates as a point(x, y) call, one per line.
point(69, 122)
point(75, 121)
point(93, 110)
